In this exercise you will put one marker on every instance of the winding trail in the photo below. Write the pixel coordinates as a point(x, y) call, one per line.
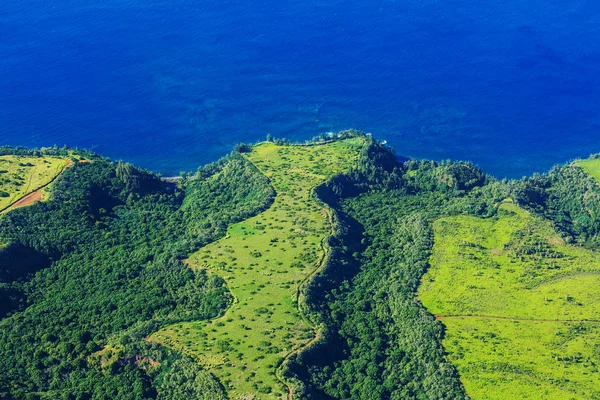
point(290, 394)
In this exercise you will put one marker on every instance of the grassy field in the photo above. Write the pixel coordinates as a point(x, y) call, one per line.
point(21, 175)
point(590, 166)
point(264, 260)
point(519, 306)
point(503, 359)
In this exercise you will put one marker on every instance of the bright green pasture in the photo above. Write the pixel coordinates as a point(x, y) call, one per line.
point(512, 265)
point(516, 266)
point(591, 166)
point(502, 359)
point(264, 259)
point(21, 175)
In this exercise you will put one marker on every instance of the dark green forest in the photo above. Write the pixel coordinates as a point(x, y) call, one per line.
point(101, 265)
point(85, 277)
point(379, 342)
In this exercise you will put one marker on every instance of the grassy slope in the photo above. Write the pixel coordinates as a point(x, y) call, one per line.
point(264, 259)
point(20, 180)
point(590, 166)
point(516, 266)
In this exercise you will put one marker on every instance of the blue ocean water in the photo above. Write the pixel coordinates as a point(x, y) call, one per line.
point(513, 85)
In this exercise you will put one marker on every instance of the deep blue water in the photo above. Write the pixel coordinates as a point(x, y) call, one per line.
point(513, 85)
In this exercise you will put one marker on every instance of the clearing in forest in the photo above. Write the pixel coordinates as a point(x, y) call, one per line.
point(265, 260)
point(23, 175)
point(591, 166)
point(521, 308)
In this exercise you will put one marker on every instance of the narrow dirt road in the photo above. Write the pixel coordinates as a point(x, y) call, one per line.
point(442, 317)
point(27, 200)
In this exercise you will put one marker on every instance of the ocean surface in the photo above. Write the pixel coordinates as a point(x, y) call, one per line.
point(513, 85)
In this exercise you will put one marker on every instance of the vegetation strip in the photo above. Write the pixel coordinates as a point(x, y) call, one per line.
point(265, 259)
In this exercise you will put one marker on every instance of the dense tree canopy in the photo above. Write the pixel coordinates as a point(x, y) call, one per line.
point(86, 276)
point(102, 260)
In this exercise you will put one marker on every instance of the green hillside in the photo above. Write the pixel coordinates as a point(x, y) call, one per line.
point(21, 175)
point(325, 270)
point(519, 305)
point(87, 275)
point(591, 166)
point(264, 261)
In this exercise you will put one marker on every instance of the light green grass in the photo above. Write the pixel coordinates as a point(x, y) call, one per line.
point(264, 259)
point(514, 266)
point(500, 359)
point(591, 166)
point(21, 175)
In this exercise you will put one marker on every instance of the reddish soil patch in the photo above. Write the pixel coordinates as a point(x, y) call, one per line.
point(27, 200)
point(36, 195)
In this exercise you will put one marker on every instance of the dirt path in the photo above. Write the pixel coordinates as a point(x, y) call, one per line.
point(442, 317)
point(36, 195)
point(290, 394)
point(27, 200)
